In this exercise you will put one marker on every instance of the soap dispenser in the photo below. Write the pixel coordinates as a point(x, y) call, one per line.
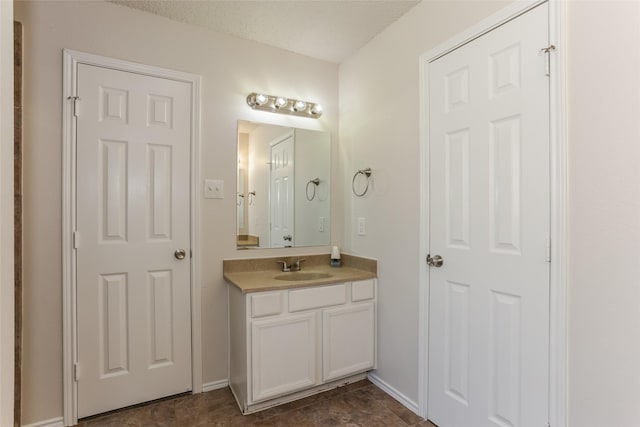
point(335, 257)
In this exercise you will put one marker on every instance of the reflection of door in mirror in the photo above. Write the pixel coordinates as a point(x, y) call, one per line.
point(281, 195)
point(307, 209)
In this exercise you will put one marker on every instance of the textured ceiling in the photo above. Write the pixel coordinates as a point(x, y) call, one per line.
point(330, 30)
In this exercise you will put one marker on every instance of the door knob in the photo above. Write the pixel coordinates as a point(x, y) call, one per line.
point(436, 261)
point(180, 253)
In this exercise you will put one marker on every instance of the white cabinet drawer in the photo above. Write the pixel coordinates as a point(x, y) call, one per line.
point(363, 290)
point(266, 304)
point(323, 296)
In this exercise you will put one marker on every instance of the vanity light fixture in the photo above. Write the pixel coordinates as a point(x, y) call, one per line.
point(279, 104)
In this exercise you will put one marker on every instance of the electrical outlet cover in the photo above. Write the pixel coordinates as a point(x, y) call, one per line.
point(361, 226)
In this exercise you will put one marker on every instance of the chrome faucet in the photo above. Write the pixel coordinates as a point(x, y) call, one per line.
point(296, 265)
point(285, 268)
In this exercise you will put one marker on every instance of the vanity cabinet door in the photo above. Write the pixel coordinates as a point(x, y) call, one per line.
point(284, 353)
point(348, 340)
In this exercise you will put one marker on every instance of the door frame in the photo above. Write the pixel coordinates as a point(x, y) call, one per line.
point(558, 192)
point(71, 60)
point(7, 302)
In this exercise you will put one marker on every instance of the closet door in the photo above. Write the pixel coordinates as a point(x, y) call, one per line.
point(489, 221)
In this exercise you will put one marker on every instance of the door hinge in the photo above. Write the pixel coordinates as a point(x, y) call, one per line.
point(76, 240)
point(76, 108)
point(547, 58)
point(75, 372)
point(547, 249)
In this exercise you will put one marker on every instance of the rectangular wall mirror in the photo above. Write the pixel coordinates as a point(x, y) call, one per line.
point(283, 186)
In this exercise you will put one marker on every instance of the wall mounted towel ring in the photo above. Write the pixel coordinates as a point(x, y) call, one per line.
point(366, 173)
point(315, 182)
point(239, 199)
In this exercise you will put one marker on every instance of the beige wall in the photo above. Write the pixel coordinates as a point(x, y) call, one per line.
point(231, 69)
point(603, 88)
point(379, 128)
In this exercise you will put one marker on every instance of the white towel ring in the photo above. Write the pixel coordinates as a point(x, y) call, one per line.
point(366, 173)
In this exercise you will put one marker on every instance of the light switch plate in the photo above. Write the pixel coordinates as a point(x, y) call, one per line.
point(213, 189)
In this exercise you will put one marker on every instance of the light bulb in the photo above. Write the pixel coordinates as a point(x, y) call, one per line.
point(261, 99)
point(299, 105)
point(281, 102)
point(316, 109)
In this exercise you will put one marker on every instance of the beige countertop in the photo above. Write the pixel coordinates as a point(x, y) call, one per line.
point(255, 275)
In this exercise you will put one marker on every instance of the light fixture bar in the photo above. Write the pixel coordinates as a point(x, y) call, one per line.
point(282, 105)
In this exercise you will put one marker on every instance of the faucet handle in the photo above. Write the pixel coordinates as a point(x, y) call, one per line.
point(297, 263)
point(285, 267)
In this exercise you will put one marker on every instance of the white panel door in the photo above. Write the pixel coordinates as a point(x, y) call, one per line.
point(133, 294)
point(489, 220)
point(281, 197)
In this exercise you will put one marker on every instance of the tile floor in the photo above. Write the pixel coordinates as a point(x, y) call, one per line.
point(358, 404)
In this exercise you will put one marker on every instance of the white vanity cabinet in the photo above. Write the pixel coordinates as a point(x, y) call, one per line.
point(286, 344)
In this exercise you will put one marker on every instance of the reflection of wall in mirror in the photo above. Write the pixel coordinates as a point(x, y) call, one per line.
point(241, 191)
point(312, 217)
point(240, 202)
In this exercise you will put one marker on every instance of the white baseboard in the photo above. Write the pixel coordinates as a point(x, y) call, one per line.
point(410, 404)
point(53, 422)
point(214, 385)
